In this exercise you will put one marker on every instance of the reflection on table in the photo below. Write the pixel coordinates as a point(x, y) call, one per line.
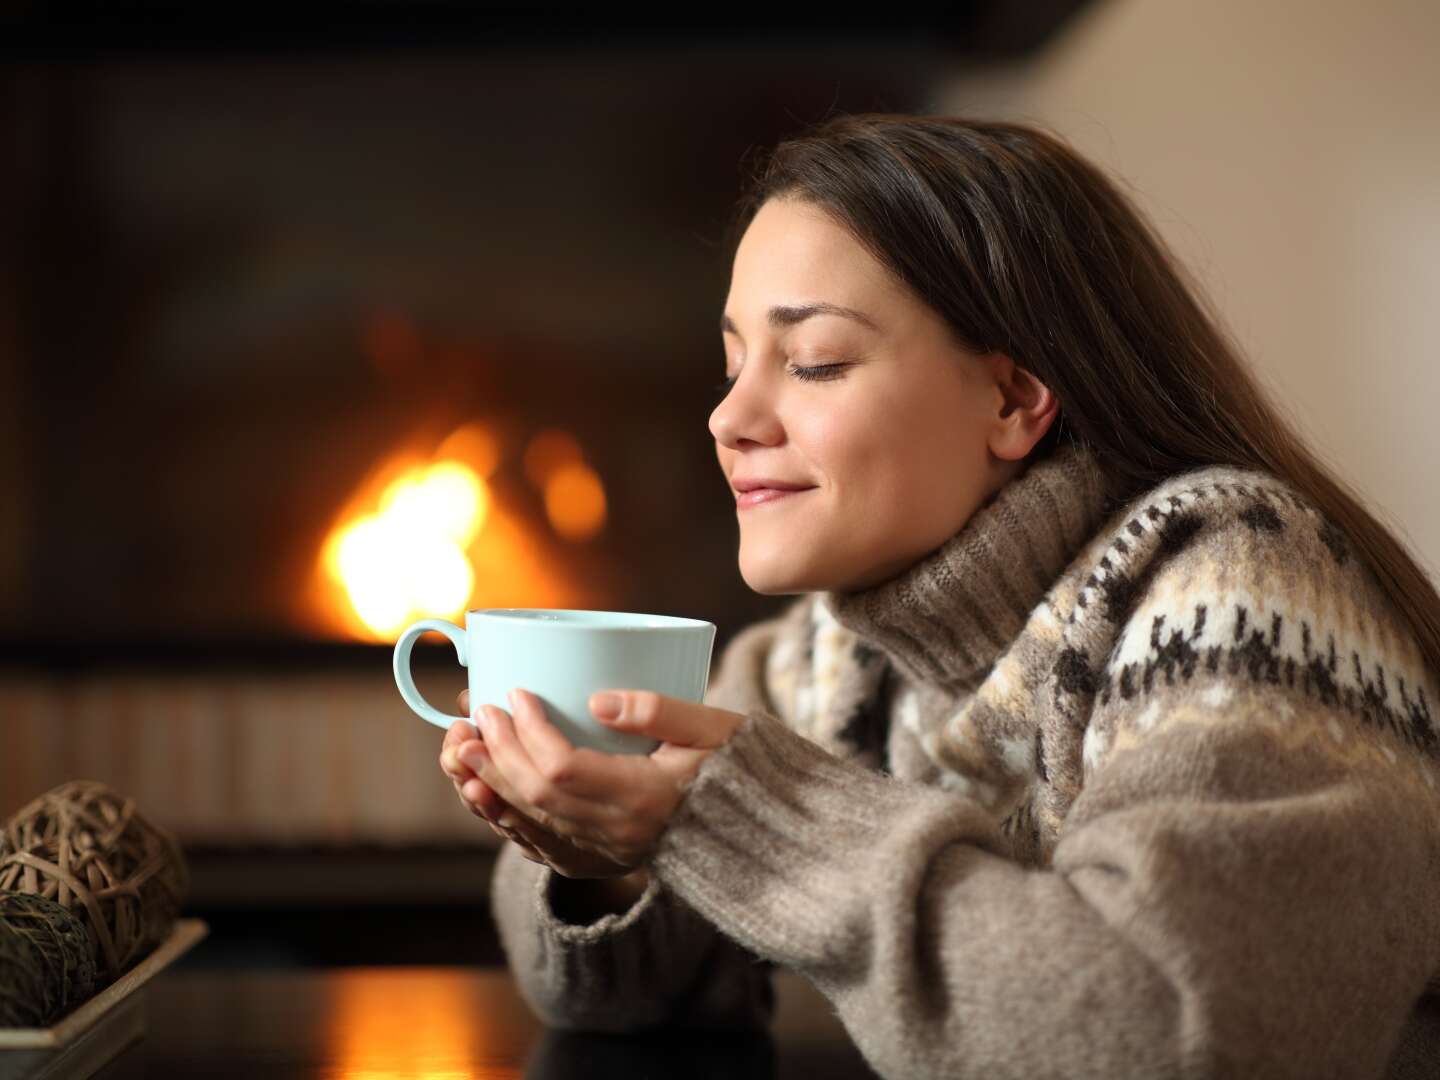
point(378, 1023)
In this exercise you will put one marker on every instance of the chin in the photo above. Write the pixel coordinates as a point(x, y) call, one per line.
point(771, 583)
point(766, 588)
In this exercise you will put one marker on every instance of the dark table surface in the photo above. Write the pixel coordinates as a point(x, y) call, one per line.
point(380, 1023)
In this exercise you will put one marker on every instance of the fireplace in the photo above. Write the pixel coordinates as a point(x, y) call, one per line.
point(300, 342)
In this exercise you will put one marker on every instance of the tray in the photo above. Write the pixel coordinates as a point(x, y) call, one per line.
point(83, 1040)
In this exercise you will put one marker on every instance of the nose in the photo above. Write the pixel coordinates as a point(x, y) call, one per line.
point(720, 423)
point(743, 413)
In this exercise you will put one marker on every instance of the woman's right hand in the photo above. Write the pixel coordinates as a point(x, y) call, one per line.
point(536, 843)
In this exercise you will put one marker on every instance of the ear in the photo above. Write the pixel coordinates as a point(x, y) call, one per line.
point(1026, 409)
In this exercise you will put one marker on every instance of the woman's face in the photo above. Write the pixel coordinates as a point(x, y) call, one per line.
point(898, 433)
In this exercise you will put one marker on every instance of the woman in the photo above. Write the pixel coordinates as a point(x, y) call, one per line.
point(1099, 740)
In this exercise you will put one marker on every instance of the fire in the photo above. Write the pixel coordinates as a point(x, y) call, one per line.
point(407, 560)
point(424, 538)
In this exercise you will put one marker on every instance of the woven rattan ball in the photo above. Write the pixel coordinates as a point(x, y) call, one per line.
point(47, 960)
point(90, 849)
point(22, 983)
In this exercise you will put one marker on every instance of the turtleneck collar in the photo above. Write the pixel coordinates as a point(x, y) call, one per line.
point(947, 618)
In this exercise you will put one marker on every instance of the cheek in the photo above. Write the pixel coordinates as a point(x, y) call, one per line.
point(896, 446)
point(946, 426)
point(840, 442)
point(916, 455)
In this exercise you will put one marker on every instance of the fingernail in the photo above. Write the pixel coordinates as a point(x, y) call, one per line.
point(607, 706)
point(506, 820)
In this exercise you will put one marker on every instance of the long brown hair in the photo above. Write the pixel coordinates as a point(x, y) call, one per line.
point(1026, 248)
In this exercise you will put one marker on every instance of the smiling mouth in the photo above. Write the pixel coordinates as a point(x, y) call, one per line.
point(762, 496)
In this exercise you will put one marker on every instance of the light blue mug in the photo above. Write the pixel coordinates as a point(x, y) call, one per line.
point(563, 656)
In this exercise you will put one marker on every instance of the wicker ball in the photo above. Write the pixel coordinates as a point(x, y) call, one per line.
point(22, 983)
point(89, 849)
point(47, 960)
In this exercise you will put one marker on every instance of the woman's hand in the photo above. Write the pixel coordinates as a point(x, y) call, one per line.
point(534, 842)
point(612, 807)
point(474, 794)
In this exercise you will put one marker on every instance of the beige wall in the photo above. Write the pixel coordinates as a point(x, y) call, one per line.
point(1290, 152)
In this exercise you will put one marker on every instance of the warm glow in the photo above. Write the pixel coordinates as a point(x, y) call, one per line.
point(447, 500)
point(364, 554)
point(547, 451)
point(475, 445)
point(407, 561)
point(420, 1022)
point(575, 501)
point(435, 534)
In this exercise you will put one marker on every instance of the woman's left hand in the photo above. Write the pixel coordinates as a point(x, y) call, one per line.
point(615, 805)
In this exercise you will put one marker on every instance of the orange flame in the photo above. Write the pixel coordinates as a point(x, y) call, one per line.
point(424, 538)
point(407, 561)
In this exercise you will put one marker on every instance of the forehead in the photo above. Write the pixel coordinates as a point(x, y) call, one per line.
point(793, 252)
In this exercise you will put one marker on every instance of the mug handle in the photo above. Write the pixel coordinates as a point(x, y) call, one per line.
point(406, 682)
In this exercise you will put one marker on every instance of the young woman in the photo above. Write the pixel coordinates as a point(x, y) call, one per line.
point(1100, 738)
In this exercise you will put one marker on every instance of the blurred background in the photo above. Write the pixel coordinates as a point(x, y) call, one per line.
point(310, 327)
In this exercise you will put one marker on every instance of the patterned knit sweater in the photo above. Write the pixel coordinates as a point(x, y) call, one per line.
point(1088, 791)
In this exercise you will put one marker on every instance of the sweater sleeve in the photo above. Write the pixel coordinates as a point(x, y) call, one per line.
point(1246, 886)
point(658, 963)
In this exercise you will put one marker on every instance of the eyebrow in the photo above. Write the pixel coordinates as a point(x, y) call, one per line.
point(783, 316)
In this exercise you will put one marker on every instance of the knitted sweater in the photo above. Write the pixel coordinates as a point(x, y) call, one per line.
point(1088, 791)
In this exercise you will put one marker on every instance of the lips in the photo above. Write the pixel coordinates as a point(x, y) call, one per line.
point(767, 482)
point(764, 496)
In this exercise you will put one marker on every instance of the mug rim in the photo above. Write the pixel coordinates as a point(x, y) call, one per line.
point(671, 622)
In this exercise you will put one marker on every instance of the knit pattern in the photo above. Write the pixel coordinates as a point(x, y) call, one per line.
point(1220, 582)
point(1214, 579)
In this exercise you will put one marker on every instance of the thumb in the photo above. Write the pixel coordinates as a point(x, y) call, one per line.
point(658, 716)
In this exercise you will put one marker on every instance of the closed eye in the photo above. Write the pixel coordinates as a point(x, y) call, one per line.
point(814, 373)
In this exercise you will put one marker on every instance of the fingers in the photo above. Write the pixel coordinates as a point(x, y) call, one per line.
point(472, 799)
point(520, 831)
point(450, 754)
point(540, 845)
point(514, 836)
point(526, 834)
point(522, 785)
point(582, 772)
point(671, 720)
point(458, 732)
point(484, 798)
point(474, 794)
point(474, 791)
point(482, 801)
